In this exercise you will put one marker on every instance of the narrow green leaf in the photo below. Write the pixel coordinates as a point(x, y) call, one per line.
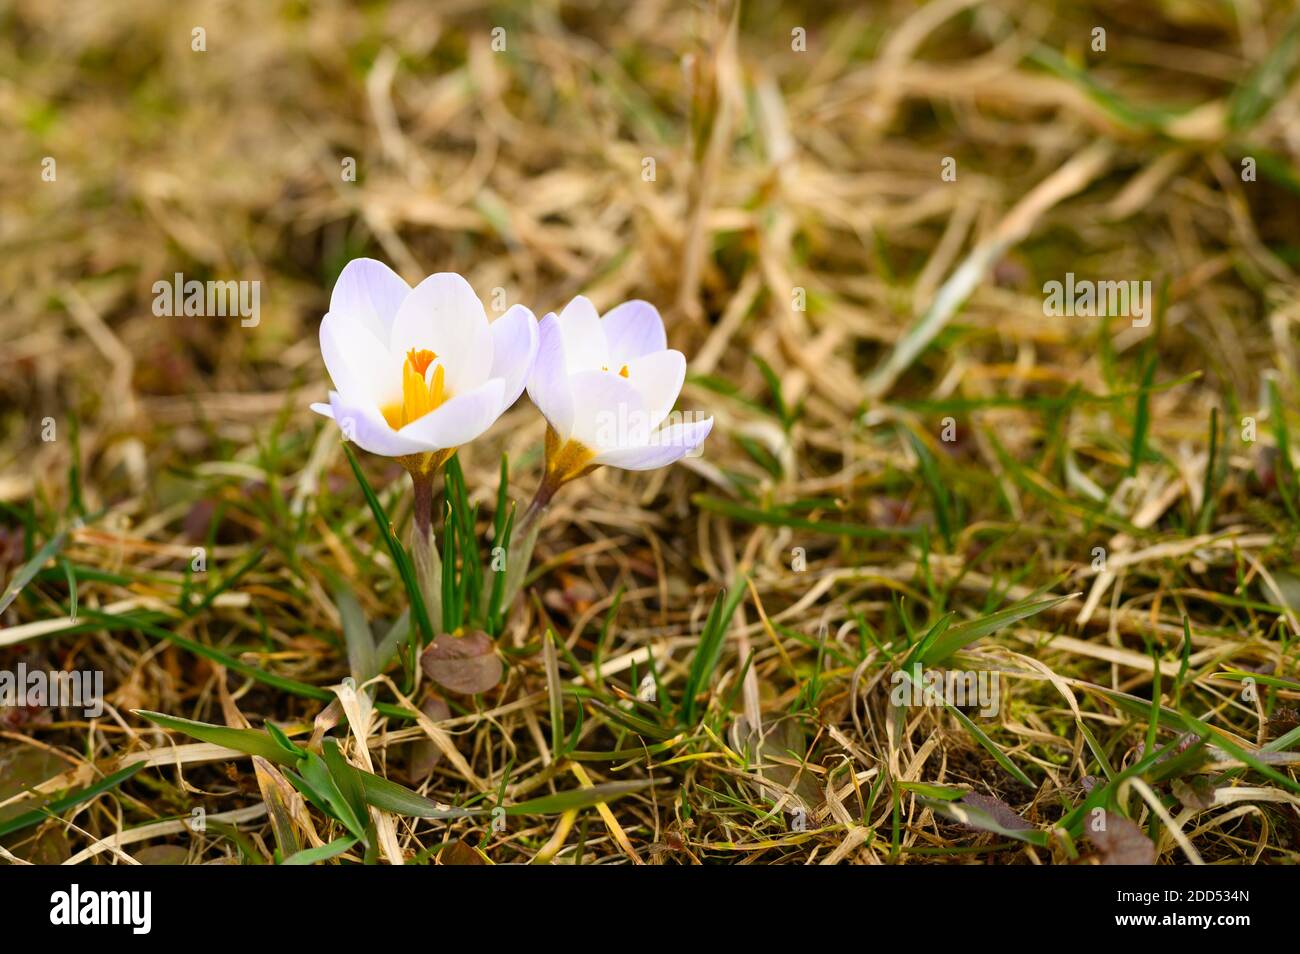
point(1142, 417)
point(575, 798)
point(346, 776)
point(31, 568)
point(400, 557)
point(309, 856)
point(37, 815)
point(934, 484)
point(357, 636)
point(1269, 81)
point(390, 797)
point(963, 634)
point(709, 649)
point(249, 741)
point(323, 781)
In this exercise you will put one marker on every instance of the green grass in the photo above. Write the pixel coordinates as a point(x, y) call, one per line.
point(699, 666)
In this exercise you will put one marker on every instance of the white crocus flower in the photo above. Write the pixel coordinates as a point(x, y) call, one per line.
point(419, 371)
point(606, 386)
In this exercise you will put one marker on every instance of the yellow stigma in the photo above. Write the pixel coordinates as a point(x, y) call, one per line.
point(622, 371)
point(418, 398)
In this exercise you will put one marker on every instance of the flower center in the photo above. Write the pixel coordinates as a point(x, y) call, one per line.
point(622, 371)
point(418, 396)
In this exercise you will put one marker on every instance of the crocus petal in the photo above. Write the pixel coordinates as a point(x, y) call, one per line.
point(360, 366)
point(443, 315)
point(670, 444)
point(548, 382)
point(364, 426)
point(514, 346)
point(460, 420)
point(658, 378)
point(607, 411)
point(324, 409)
point(584, 338)
point(632, 330)
point(369, 292)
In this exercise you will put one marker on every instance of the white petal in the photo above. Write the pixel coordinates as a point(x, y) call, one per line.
point(514, 346)
point(369, 292)
point(365, 426)
point(548, 382)
point(323, 409)
point(443, 315)
point(460, 420)
point(632, 330)
point(584, 338)
point(658, 377)
point(360, 366)
point(670, 444)
point(607, 411)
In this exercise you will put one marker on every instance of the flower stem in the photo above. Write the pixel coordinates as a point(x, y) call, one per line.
point(524, 539)
point(424, 550)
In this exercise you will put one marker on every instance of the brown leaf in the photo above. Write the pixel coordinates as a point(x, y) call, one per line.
point(1121, 842)
point(998, 810)
point(777, 750)
point(423, 756)
point(163, 855)
point(1194, 793)
point(1283, 721)
point(460, 853)
point(466, 664)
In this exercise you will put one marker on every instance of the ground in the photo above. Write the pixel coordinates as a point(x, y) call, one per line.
point(850, 216)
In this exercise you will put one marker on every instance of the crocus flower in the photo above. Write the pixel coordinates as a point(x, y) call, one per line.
point(606, 386)
point(419, 371)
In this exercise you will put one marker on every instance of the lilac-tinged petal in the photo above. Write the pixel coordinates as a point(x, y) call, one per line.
point(584, 338)
point(633, 330)
point(607, 411)
point(324, 409)
point(364, 426)
point(460, 420)
point(666, 446)
point(360, 366)
point(369, 292)
point(658, 377)
point(548, 382)
point(514, 346)
point(443, 315)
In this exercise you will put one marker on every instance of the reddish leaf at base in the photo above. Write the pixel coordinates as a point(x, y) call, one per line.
point(1121, 842)
point(466, 664)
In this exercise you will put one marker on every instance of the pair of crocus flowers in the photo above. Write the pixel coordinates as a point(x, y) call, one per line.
point(420, 371)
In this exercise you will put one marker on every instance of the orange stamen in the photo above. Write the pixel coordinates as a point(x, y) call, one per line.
point(420, 360)
point(418, 397)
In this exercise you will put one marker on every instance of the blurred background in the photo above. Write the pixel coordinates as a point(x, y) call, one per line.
point(846, 212)
point(792, 147)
